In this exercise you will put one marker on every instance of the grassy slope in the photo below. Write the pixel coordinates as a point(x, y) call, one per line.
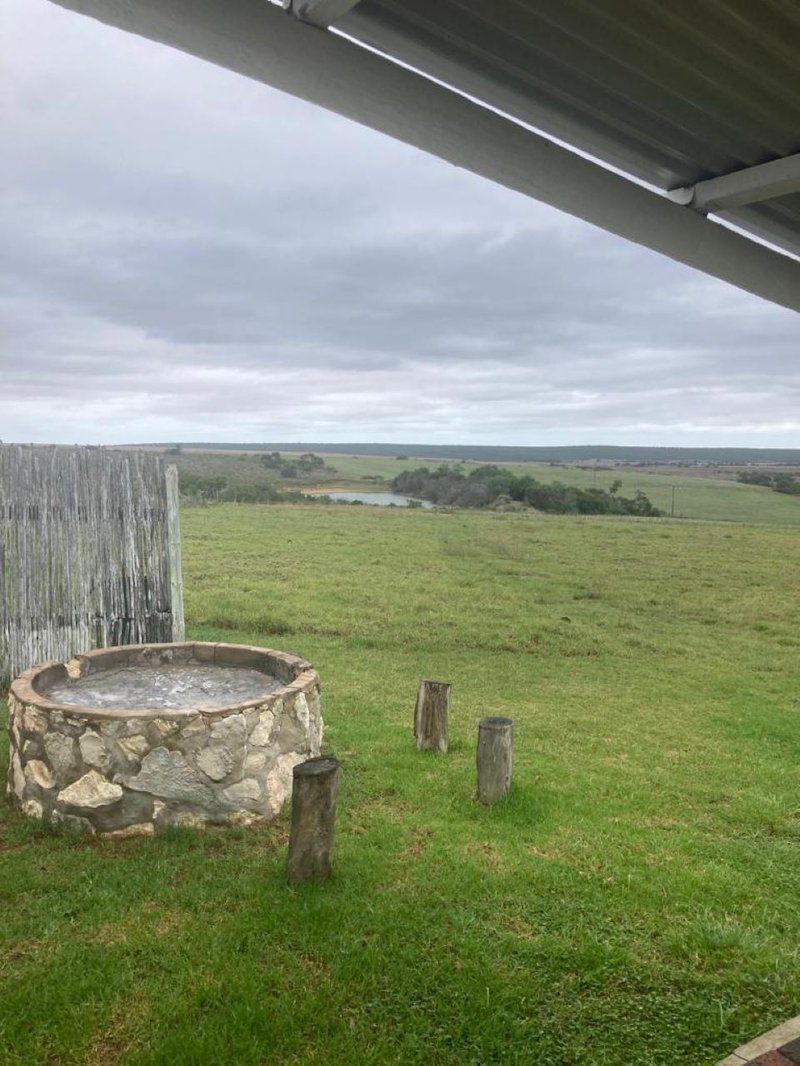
point(634, 901)
point(695, 497)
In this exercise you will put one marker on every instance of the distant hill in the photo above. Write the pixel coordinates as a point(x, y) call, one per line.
point(491, 453)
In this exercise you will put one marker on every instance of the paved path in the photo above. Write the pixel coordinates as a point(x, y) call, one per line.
point(778, 1047)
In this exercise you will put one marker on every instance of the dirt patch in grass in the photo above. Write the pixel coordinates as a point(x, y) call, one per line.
point(112, 1043)
point(487, 852)
point(421, 838)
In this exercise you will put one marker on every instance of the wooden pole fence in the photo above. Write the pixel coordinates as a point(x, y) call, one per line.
point(89, 552)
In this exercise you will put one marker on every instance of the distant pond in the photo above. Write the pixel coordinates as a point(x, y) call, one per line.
point(376, 499)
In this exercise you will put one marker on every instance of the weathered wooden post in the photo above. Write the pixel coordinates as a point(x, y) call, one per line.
point(174, 552)
point(430, 719)
point(495, 744)
point(315, 790)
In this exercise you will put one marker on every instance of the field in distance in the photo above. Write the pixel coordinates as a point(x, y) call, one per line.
point(672, 490)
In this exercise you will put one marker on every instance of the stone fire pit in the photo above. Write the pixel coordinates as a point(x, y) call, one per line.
point(128, 740)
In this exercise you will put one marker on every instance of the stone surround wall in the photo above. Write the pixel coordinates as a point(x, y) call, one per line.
point(122, 773)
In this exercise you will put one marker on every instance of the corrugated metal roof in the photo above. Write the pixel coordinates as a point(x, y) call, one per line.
point(702, 98)
point(670, 92)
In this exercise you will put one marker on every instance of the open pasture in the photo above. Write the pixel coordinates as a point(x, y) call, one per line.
point(634, 900)
point(707, 498)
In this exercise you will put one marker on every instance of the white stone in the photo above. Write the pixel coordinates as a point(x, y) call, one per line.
point(167, 774)
point(39, 773)
point(17, 776)
point(60, 752)
point(163, 729)
point(279, 780)
point(230, 730)
point(216, 762)
point(242, 791)
point(185, 819)
point(301, 710)
point(134, 746)
point(193, 726)
point(141, 829)
point(315, 738)
point(35, 721)
point(244, 818)
point(290, 733)
point(94, 751)
point(32, 808)
point(256, 760)
point(262, 732)
point(15, 729)
point(91, 790)
point(315, 724)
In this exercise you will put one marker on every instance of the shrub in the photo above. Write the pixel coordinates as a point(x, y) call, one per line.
point(486, 485)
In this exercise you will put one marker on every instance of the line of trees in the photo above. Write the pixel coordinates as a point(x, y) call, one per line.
point(297, 467)
point(203, 488)
point(779, 482)
point(488, 486)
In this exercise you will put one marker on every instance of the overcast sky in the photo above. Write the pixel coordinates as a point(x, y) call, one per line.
point(187, 255)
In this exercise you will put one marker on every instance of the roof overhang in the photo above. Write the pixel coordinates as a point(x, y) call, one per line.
point(453, 79)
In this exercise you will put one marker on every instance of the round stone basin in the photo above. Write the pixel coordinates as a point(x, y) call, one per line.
point(132, 739)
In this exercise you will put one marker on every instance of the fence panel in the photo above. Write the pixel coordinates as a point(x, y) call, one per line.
point(87, 549)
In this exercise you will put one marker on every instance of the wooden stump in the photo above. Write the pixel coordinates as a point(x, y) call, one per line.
point(430, 719)
point(315, 789)
point(495, 744)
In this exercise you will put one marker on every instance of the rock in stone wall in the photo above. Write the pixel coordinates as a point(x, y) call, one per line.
point(113, 773)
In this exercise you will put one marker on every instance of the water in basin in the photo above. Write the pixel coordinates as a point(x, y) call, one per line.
point(165, 686)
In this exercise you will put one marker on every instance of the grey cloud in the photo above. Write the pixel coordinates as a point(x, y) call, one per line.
point(190, 255)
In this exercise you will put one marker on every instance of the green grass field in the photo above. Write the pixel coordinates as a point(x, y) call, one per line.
point(634, 901)
point(712, 499)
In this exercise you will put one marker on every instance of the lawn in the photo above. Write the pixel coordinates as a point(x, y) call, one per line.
point(634, 901)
